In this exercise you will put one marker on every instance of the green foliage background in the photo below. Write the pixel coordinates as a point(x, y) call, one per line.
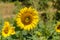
point(49, 13)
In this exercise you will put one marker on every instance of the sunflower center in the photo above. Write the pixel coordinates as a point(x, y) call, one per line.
point(6, 30)
point(58, 27)
point(26, 19)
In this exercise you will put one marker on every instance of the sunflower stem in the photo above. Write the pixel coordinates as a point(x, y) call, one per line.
point(1, 37)
point(20, 35)
point(45, 28)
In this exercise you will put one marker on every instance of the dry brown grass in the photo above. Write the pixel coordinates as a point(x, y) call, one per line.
point(6, 9)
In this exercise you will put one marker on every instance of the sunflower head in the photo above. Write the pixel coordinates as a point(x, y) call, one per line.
point(7, 29)
point(58, 27)
point(27, 18)
point(12, 30)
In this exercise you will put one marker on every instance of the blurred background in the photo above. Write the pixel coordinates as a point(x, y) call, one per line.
point(49, 12)
point(9, 8)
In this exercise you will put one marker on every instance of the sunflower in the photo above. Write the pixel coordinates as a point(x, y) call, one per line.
point(7, 30)
point(12, 30)
point(27, 18)
point(57, 27)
